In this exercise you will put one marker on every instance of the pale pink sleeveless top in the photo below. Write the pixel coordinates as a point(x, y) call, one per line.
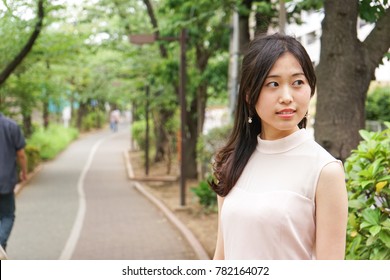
point(270, 213)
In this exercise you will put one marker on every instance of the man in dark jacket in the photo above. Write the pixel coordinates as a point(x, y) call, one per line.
point(12, 145)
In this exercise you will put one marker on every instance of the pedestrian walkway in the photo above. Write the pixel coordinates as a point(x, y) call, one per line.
point(82, 206)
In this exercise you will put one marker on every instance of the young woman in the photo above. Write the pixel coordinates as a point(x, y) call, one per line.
point(280, 194)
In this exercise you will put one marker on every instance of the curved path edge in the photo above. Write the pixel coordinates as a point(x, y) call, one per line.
point(183, 229)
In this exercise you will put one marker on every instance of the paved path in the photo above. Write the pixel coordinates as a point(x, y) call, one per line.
point(82, 206)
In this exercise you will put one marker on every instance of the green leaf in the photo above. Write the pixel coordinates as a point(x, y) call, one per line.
point(371, 240)
point(377, 166)
point(366, 135)
point(356, 204)
point(384, 236)
point(379, 254)
point(386, 223)
point(375, 230)
point(355, 244)
point(364, 184)
point(371, 216)
point(366, 174)
point(352, 221)
point(386, 178)
point(364, 225)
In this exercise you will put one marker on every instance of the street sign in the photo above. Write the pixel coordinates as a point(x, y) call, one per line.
point(140, 39)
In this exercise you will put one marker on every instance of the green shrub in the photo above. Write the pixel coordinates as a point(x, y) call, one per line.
point(368, 174)
point(138, 129)
point(33, 157)
point(206, 196)
point(378, 104)
point(208, 144)
point(93, 120)
point(52, 140)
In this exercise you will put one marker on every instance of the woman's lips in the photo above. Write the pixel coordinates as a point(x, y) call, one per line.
point(286, 113)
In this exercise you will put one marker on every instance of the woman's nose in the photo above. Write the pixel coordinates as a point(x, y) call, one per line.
point(285, 95)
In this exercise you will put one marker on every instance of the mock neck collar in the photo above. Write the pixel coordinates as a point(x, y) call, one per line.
point(283, 144)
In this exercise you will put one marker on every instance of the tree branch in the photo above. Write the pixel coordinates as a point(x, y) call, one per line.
point(153, 20)
point(377, 42)
point(27, 48)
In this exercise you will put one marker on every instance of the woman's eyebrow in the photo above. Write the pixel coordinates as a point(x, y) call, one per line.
point(273, 76)
point(278, 76)
point(298, 74)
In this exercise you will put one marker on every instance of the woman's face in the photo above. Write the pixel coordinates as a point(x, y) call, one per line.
point(284, 98)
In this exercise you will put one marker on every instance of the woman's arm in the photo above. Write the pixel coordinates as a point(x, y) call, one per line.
point(331, 213)
point(219, 251)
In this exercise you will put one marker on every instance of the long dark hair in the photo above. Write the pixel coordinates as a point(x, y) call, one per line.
point(262, 54)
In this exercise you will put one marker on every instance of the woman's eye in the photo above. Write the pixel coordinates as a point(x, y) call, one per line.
point(298, 83)
point(272, 84)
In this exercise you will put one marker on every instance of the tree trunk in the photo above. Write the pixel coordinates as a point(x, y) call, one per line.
point(162, 142)
point(195, 117)
point(344, 74)
point(202, 58)
point(27, 125)
point(27, 48)
point(190, 164)
point(161, 133)
point(45, 103)
point(45, 114)
point(244, 26)
point(81, 113)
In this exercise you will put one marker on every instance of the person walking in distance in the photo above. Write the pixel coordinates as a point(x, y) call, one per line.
point(12, 145)
point(280, 194)
point(114, 119)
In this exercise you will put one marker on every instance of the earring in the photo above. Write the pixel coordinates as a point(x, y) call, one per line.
point(249, 119)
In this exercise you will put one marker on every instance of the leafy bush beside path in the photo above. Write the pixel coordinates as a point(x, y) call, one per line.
point(368, 174)
point(52, 140)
